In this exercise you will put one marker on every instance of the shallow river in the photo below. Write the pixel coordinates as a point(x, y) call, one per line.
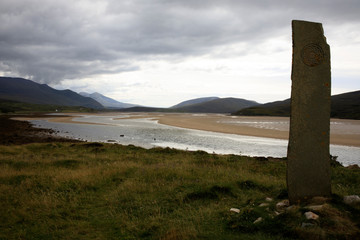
point(148, 133)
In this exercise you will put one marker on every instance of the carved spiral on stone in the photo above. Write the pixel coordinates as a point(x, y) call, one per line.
point(312, 55)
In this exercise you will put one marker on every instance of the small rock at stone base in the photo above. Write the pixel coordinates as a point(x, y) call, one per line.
point(235, 210)
point(269, 199)
point(264, 205)
point(282, 205)
point(314, 207)
point(258, 220)
point(304, 225)
point(311, 215)
point(352, 199)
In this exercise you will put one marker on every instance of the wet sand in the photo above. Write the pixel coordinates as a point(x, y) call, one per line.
point(218, 123)
point(249, 126)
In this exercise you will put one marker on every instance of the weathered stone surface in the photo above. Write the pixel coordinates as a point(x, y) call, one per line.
point(308, 169)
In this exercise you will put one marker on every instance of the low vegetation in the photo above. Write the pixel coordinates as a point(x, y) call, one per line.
point(8, 106)
point(108, 191)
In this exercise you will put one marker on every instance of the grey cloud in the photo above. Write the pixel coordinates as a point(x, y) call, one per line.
point(54, 40)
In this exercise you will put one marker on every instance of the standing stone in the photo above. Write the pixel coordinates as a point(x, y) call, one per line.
point(308, 167)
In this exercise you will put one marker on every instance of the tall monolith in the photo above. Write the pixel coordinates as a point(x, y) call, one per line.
point(308, 167)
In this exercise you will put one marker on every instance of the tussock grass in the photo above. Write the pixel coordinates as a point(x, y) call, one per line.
point(108, 191)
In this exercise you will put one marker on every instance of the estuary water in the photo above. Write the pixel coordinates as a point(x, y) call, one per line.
point(148, 133)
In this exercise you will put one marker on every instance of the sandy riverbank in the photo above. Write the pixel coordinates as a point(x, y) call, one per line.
point(252, 126)
point(343, 132)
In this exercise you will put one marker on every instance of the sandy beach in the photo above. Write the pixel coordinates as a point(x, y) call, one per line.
point(343, 131)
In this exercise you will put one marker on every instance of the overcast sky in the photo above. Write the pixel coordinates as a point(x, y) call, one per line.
point(161, 52)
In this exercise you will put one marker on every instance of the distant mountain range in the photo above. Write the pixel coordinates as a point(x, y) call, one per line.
point(346, 105)
point(23, 90)
point(27, 91)
point(106, 101)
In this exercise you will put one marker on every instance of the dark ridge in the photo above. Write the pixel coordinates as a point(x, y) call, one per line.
point(27, 91)
point(346, 105)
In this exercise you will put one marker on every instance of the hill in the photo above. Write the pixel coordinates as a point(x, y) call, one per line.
point(146, 109)
point(27, 91)
point(106, 101)
point(194, 101)
point(217, 105)
point(346, 105)
point(278, 108)
point(220, 105)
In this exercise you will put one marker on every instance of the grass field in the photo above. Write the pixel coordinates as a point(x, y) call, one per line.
point(108, 191)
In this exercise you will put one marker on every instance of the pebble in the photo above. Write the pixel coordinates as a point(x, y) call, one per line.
point(314, 207)
point(258, 220)
point(280, 206)
point(352, 200)
point(235, 210)
point(311, 215)
point(264, 205)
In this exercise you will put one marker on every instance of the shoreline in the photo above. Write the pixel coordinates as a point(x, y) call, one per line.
point(14, 132)
point(218, 123)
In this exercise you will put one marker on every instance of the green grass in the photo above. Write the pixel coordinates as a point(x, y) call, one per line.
point(108, 191)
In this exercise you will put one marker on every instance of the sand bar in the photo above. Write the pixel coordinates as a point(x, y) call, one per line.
point(261, 126)
point(343, 131)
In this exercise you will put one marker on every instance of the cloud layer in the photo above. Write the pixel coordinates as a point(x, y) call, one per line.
point(74, 42)
point(50, 41)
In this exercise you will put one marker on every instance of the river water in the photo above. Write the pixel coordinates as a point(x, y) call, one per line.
point(148, 133)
